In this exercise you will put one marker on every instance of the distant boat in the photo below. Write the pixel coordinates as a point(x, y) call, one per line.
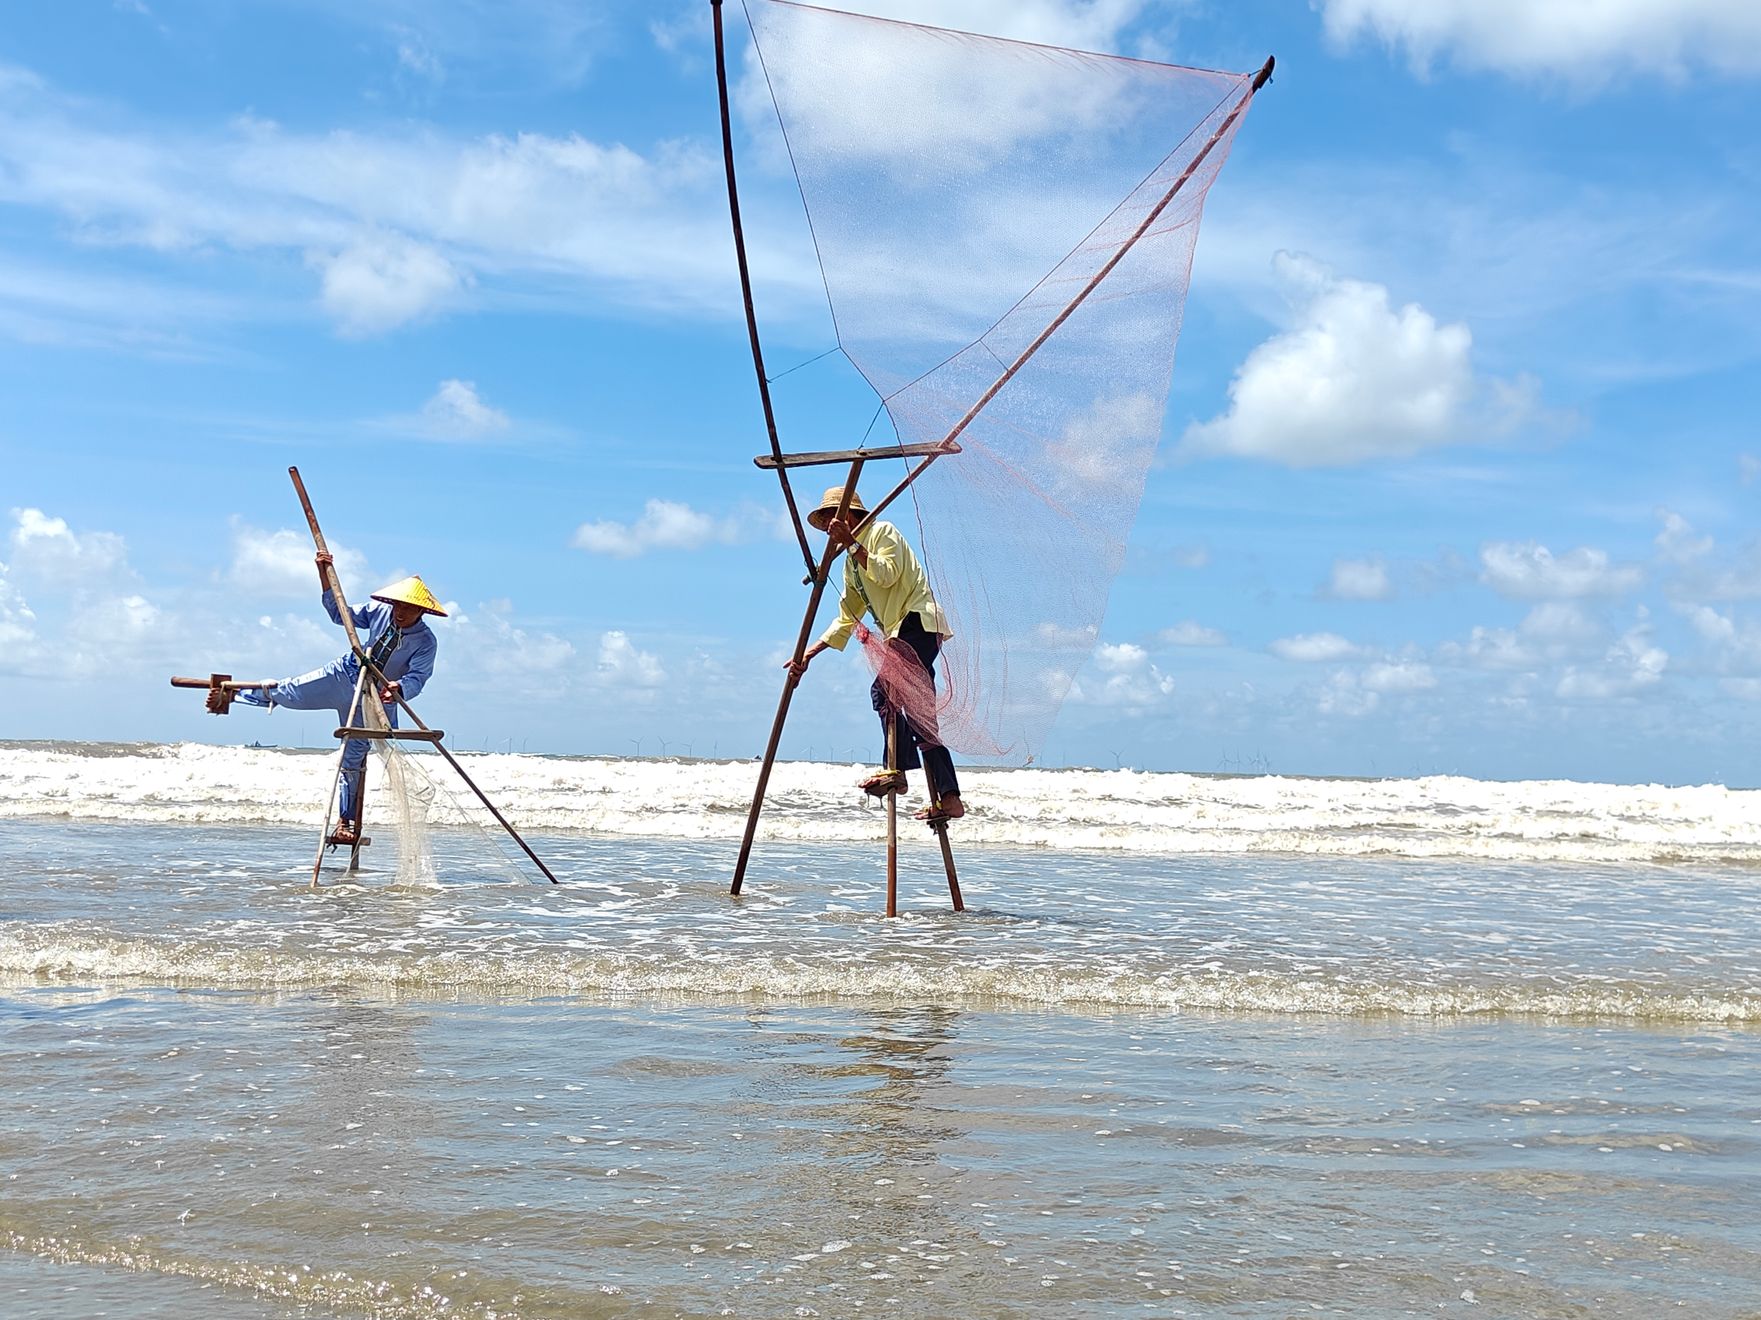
point(260, 746)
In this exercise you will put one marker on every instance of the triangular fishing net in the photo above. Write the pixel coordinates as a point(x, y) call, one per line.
point(989, 211)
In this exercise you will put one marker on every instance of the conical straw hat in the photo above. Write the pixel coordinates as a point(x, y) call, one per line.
point(828, 506)
point(411, 591)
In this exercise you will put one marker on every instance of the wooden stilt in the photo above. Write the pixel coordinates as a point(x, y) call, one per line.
point(941, 832)
point(336, 783)
point(892, 817)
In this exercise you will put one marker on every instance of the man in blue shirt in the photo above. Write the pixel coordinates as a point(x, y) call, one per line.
point(400, 645)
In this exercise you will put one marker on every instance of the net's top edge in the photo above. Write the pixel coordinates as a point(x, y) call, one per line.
point(1008, 41)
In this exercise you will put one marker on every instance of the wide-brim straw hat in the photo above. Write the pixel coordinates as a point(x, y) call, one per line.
point(828, 505)
point(411, 591)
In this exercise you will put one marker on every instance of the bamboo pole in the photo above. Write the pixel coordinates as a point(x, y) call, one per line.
point(820, 578)
point(1259, 80)
point(892, 816)
point(331, 800)
point(770, 417)
point(941, 832)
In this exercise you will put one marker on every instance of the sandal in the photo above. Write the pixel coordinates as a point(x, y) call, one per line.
point(883, 782)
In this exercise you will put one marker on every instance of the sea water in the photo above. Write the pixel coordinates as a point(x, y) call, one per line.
point(1198, 1046)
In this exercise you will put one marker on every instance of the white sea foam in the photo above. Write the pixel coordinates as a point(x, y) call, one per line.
point(1126, 810)
point(1069, 982)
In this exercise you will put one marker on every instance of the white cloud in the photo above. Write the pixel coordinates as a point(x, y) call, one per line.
point(1718, 629)
point(622, 665)
point(1189, 633)
point(381, 281)
point(1748, 468)
point(490, 643)
point(1355, 379)
point(1561, 623)
point(1087, 24)
point(1632, 664)
point(1491, 648)
point(1399, 676)
point(1315, 648)
point(414, 55)
point(17, 622)
point(1344, 695)
point(1677, 542)
point(398, 224)
point(46, 549)
point(1527, 570)
point(280, 563)
point(669, 525)
point(1359, 579)
point(1129, 679)
point(457, 412)
point(1583, 43)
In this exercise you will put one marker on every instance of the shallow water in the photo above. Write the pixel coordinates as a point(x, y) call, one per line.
point(1121, 1083)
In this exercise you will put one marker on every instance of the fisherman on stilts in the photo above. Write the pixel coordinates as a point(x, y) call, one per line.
point(399, 645)
point(884, 580)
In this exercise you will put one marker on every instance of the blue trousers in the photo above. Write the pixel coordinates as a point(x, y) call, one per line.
point(330, 688)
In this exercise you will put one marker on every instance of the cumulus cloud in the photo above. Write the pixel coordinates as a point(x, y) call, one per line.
point(488, 642)
point(1128, 679)
point(1631, 665)
point(622, 665)
point(1315, 648)
point(1355, 379)
point(382, 281)
point(669, 525)
point(397, 225)
point(1677, 543)
point(1527, 570)
point(1188, 633)
point(17, 622)
point(1359, 579)
point(279, 563)
point(1582, 43)
point(45, 549)
point(1399, 676)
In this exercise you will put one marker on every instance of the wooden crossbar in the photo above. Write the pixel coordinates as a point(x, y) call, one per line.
point(823, 457)
point(396, 735)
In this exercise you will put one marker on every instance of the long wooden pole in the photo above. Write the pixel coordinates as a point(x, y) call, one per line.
point(941, 832)
point(893, 816)
point(1260, 79)
point(770, 417)
point(820, 577)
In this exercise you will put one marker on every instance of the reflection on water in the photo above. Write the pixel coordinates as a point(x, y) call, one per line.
point(416, 1157)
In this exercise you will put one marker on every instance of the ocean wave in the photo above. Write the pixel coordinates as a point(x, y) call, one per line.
point(62, 957)
point(1121, 810)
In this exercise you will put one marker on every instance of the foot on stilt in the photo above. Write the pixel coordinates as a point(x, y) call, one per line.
point(345, 835)
point(883, 782)
point(949, 808)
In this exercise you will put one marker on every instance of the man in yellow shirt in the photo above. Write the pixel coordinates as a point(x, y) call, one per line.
point(883, 578)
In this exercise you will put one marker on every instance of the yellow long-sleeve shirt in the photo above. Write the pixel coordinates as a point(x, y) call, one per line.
point(893, 582)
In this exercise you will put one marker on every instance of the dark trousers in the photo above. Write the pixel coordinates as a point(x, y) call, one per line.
point(936, 762)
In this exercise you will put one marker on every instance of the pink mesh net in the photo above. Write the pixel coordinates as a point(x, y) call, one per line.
point(966, 195)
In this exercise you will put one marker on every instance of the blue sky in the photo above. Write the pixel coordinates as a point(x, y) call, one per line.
point(1459, 470)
